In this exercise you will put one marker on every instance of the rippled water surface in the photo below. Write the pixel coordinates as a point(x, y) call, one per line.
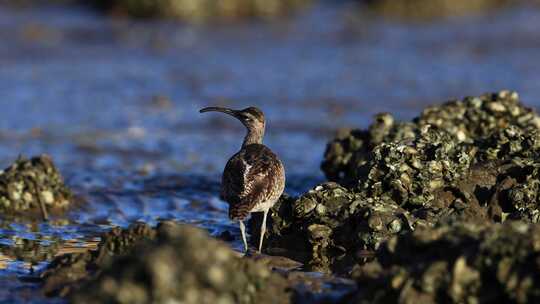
point(115, 103)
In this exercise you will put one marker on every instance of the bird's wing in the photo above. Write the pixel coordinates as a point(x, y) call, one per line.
point(248, 180)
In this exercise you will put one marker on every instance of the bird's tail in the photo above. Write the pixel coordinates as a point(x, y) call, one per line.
point(238, 212)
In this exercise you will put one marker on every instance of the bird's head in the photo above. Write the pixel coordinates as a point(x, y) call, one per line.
point(251, 117)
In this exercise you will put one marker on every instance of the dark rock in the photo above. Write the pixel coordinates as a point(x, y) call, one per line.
point(170, 263)
point(67, 272)
point(454, 263)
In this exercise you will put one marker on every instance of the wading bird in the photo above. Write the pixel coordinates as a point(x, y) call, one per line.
point(254, 177)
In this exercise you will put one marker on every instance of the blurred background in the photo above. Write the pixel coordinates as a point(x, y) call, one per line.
point(111, 90)
point(117, 84)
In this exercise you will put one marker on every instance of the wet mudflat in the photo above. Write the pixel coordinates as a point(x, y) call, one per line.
point(114, 102)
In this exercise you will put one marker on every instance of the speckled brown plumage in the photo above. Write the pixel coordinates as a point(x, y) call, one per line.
point(251, 177)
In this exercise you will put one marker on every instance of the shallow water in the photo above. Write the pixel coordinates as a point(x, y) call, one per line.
point(86, 89)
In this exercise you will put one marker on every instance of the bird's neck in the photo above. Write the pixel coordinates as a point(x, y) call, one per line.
point(253, 136)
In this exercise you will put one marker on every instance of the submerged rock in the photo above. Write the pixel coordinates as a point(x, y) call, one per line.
point(33, 186)
point(172, 263)
point(203, 10)
point(455, 263)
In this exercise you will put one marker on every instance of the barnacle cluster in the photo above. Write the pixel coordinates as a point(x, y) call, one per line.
point(170, 263)
point(29, 185)
point(204, 10)
point(325, 226)
point(516, 194)
point(351, 148)
point(409, 171)
point(512, 143)
point(67, 272)
point(470, 160)
point(329, 222)
point(458, 262)
point(466, 121)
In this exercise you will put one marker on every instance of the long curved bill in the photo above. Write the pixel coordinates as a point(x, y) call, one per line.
point(219, 109)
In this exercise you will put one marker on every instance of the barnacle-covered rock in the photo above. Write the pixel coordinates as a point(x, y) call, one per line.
point(328, 225)
point(184, 265)
point(509, 143)
point(351, 148)
point(30, 185)
point(171, 263)
point(476, 117)
point(466, 121)
point(516, 194)
point(515, 154)
point(455, 263)
point(410, 171)
point(470, 160)
point(203, 10)
point(65, 273)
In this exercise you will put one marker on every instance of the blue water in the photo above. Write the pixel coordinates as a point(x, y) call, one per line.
point(82, 87)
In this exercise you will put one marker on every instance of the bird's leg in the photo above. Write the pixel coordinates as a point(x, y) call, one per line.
point(243, 231)
point(263, 229)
